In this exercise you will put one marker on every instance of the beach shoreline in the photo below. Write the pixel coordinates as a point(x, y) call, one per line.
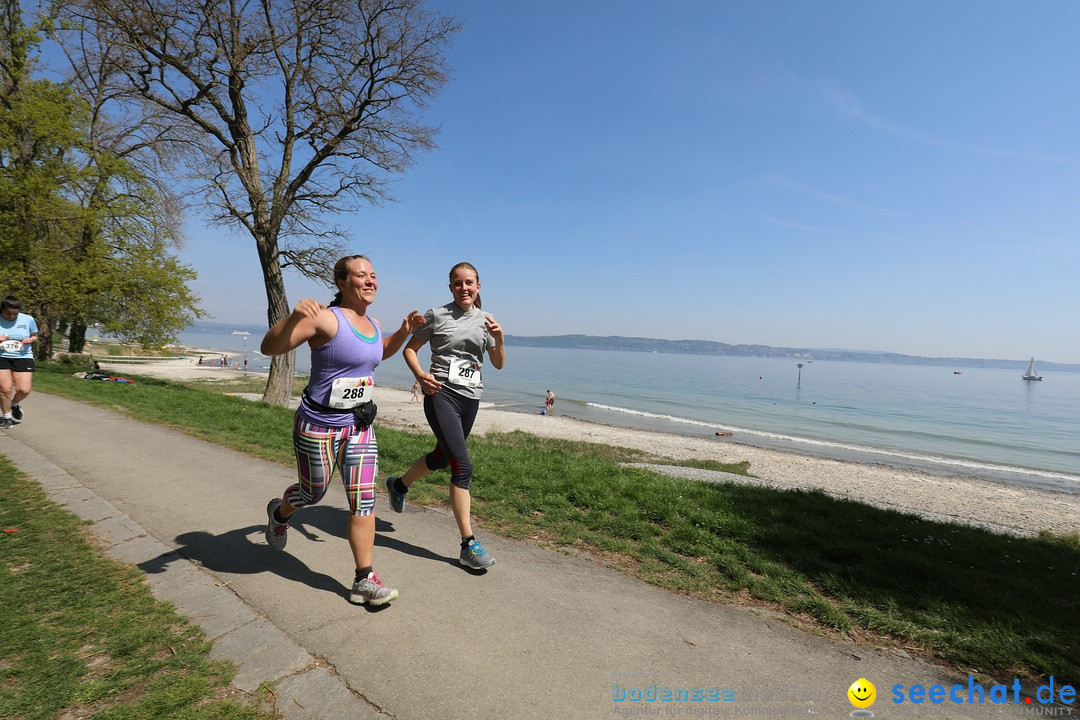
point(950, 498)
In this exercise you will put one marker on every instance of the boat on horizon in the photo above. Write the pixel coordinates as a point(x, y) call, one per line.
point(1031, 373)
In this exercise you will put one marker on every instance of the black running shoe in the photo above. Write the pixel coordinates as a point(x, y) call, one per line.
point(397, 500)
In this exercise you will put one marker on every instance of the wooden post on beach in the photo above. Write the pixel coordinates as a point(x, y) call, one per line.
point(799, 384)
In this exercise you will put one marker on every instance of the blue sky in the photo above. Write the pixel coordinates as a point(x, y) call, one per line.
point(895, 176)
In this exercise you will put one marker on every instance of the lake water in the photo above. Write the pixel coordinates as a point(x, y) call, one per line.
point(983, 422)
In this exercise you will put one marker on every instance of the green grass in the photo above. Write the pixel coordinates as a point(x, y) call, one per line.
point(81, 632)
point(991, 604)
point(248, 384)
point(741, 468)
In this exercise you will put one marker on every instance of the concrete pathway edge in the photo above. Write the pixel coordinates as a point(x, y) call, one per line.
point(303, 686)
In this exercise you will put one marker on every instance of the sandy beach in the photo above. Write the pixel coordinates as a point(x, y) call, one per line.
point(958, 499)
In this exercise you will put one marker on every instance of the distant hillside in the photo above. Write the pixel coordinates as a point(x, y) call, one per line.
point(219, 328)
point(708, 347)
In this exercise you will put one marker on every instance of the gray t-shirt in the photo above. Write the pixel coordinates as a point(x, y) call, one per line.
point(457, 339)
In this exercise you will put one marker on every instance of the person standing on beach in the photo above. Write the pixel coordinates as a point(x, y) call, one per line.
point(459, 333)
point(549, 403)
point(18, 331)
point(415, 392)
point(334, 425)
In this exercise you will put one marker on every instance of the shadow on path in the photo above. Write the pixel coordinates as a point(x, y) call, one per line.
point(243, 552)
point(334, 521)
point(236, 552)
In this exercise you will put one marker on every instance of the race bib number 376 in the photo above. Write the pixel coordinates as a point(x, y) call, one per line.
point(12, 346)
point(347, 393)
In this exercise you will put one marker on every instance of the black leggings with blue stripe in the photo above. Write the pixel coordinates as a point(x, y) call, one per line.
point(451, 418)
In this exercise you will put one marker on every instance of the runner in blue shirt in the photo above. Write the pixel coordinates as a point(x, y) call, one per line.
point(18, 331)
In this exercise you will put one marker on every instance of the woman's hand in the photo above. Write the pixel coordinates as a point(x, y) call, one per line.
point(497, 354)
point(296, 328)
point(413, 322)
point(392, 343)
point(429, 383)
point(494, 328)
point(307, 308)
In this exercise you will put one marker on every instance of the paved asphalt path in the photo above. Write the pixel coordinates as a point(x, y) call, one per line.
point(542, 634)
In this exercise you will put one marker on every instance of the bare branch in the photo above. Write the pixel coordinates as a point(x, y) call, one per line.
point(281, 113)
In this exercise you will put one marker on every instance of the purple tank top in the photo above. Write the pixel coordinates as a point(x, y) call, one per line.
point(348, 354)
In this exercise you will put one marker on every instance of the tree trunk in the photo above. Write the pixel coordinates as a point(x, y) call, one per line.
point(45, 340)
point(77, 336)
point(279, 383)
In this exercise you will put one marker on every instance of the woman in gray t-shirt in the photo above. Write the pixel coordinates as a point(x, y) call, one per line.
point(459, 334)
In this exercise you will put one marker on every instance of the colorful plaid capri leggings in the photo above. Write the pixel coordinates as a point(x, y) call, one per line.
point(320, 450)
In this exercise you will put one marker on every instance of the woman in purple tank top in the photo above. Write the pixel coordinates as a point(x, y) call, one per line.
point(333, 427)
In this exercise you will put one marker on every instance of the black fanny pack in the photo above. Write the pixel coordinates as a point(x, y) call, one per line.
point(365, 413)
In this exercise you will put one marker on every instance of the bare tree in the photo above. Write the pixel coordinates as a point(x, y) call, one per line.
point(283, 112)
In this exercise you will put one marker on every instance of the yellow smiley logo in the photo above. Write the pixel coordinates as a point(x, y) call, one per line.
point(862, 693)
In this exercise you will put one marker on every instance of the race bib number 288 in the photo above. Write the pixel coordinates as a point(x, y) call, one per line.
point(348, 393)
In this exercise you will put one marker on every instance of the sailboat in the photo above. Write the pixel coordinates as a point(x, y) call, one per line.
point(1032, 373)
